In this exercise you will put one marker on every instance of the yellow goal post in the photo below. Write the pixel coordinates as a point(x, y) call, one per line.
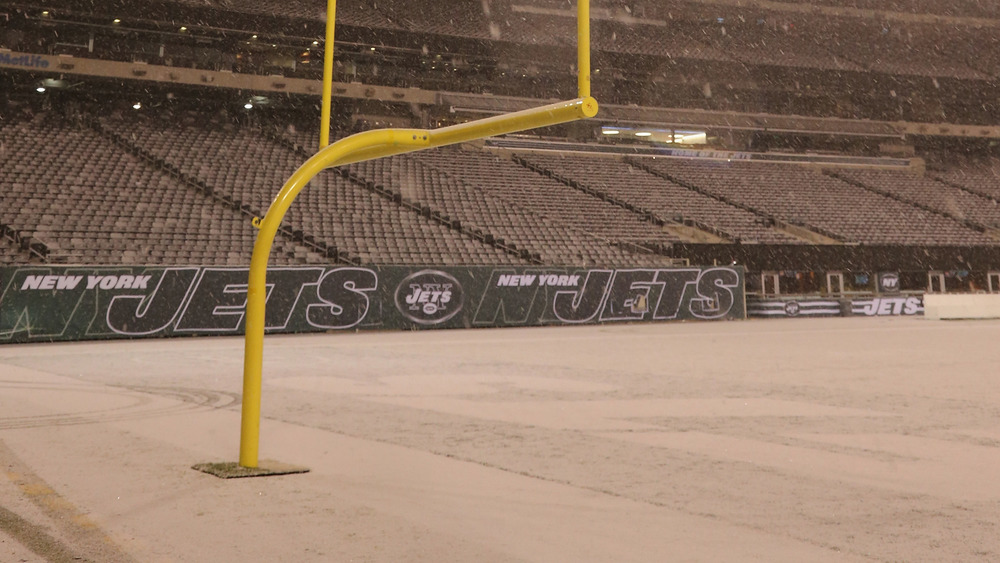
point(370, 145)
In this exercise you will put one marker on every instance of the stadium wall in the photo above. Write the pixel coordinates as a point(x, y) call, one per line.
point(954, 307)
point(42, 303)
point(808, 306)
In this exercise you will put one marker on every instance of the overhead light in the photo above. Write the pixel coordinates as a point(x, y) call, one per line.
point(184, 28)
point(372, 48)
point(315, 42)
point(643, 134)
point(45, 13)
point(137, 105)
point(40, 89)
point(610, 131)
point(116, 20)
point(254, 36)
point(248, 105)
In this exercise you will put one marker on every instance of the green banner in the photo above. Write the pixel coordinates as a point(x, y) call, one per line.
point(42, 303)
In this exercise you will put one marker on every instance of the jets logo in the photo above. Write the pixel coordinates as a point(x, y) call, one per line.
point(792, 308)
point(429, 297)
point(890, 282)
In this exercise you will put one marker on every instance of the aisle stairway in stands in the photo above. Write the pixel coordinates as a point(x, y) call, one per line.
point(11, 252)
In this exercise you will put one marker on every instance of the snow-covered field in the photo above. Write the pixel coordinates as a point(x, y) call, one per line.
point(849, 439)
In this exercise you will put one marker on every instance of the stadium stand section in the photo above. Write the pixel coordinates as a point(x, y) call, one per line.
point(910, 49)
point(504, 179)
point(494, 196)
point(830, 206)
point(89, 180)
point(957, 8)
point(529, 228)
point(80, 199)
point(980, 176)
point(9, 252)
point(901, 62)
point(650, 40)
point(462, 18)
point(928, 193)
point(664, 198)
point(768, 44)
point(247, 168)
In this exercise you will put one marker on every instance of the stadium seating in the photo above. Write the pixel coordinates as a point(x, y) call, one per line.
point(89, 202)
point(650, 40)
point(961, 204)
point(891, 48)
point(955, 8)
point(180, 188)
point(242, 164)
point(559, 224)
point(767, 44)
point(862, 60)
point(164, 187)
point(9, 252)
point(554, 200)
point(822, 203)
point(458, 18)
point(980, 176)
point(667, 199)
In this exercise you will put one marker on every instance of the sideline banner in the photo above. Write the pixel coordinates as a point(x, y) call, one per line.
point(47, 303)
point(898, 305)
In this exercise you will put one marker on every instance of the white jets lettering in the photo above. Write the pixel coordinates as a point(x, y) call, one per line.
point(882, 306)
point(524, 280)
point(513, 280)
point(71, 282)
point(559, 281)
point(421, 295)
point(118, 282)
point(51, 282)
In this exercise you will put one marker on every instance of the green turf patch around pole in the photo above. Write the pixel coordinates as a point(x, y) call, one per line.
point(233, 470)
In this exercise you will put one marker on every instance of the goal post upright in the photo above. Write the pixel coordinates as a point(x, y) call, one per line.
point(370, 145)
point(324, 120)
point(582, 48)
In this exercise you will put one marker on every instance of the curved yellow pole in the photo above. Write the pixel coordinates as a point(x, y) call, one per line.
point(356, 148)
point(324, 119)
point(253, 357)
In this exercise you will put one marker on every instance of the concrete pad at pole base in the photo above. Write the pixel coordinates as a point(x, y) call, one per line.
point(233, 470)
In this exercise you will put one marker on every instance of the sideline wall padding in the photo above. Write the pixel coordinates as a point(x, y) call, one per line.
point(962, 306)
point(812, 306)
point(49, 303)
